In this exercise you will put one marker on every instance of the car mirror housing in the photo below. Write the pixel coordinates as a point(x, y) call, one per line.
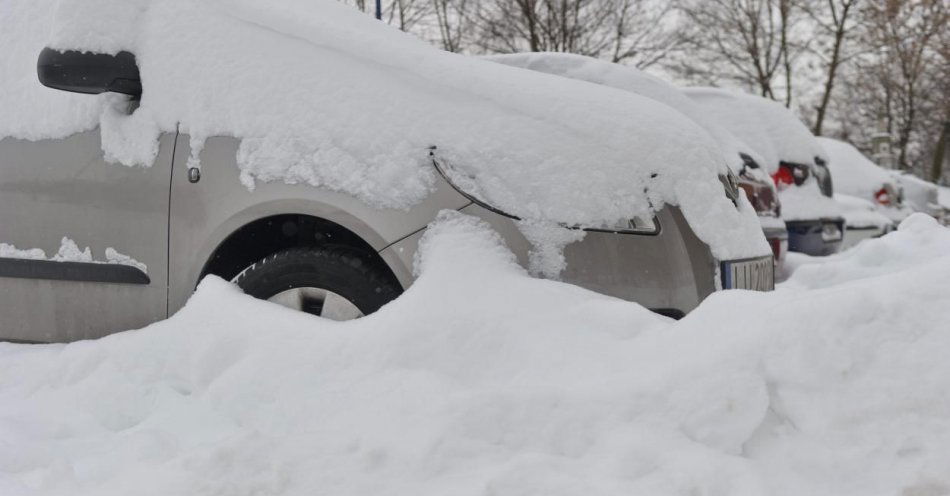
point(88, 72)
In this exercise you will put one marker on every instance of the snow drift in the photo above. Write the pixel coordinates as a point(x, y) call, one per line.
point(482, 380)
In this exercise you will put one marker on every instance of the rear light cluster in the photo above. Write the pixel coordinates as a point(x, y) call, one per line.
point(789, 174)
point(761, 195)
point(776, 245)
point(883, 197)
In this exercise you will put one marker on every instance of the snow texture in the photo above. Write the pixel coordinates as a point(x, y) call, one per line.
point(69, 251)
point(322, 94)
point(480, 380)
point(852, 172)
point(29, 109)
point(920, 195)
point(859, 212)
point(806, 202)
point(631, 79)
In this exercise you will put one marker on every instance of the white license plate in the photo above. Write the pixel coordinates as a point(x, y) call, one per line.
point(830, 232)
point(757, 274)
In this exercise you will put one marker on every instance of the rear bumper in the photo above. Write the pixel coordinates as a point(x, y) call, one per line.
point(811, 236)
point(777, 236)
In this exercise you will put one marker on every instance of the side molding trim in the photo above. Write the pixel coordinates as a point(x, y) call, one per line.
point(72, 271)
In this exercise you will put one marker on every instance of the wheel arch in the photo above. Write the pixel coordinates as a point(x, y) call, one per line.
point(262, 229)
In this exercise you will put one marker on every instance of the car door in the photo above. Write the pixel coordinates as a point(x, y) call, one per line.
point(56, 192)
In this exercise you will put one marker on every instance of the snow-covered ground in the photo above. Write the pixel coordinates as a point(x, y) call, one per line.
point(482, 380)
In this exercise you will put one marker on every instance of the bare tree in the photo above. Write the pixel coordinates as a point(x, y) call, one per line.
point(834, 25)
point(639, 32)
point(643, 32)
point(747, 41)
point(453, 20)
point(906, 31)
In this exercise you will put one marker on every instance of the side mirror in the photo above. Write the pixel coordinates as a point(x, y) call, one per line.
point(87, 72)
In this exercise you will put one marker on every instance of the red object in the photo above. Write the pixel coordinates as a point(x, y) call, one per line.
point(776, 245)
point(883, 197)
point(784, 175)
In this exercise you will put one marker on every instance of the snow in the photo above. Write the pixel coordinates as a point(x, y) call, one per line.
point(631, 79)
point(767, 125)
point(806, 202)
point(859, 212)
point(482, 380)
point(920, 195)
point(852, 172)
point(324, 95)
point(732, 111)
point(30, 110)
point(69, 251)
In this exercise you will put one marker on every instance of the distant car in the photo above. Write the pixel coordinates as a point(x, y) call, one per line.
point(752, 178)
point(309, 248)
point(921, 196)
point(862, 220)
point(857, 176)
point(795, 161)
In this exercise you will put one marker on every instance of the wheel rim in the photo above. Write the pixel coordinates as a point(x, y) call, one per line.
point(317, 301)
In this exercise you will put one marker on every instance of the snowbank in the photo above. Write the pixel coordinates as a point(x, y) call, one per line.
point(325, 95)
point(482, 380)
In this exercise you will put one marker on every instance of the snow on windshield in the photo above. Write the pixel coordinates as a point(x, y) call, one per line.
point(324, 95)
point(635, 81)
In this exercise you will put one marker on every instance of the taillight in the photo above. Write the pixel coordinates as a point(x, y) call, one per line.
point(882, 197)
point(776, 245)
point(784, 175)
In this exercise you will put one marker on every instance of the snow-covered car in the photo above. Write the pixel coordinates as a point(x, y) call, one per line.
point(857, 176)
point(793, 158)
point(742, 159)
point(300, 150)
point(919, 195)
point(862, 220)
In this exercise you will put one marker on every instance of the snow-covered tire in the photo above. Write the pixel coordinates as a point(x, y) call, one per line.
point(340, 270)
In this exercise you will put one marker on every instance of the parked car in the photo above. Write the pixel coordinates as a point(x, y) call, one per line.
point(856, 175)
point(752, 178)
point(310, 240)
point(796, 162)
point(919, 195)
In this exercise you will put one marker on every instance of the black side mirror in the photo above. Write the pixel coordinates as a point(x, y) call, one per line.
point(87, 72)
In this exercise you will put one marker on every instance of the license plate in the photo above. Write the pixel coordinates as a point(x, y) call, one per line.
point(830, 231)
point(756, 274)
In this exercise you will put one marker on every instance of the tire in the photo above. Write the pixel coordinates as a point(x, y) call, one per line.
point(297, 277)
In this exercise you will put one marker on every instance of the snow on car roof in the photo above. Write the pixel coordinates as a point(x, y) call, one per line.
point(635, 81)
point(320, 93)
point(763, 123)
point(852, 172)
point(727, 109)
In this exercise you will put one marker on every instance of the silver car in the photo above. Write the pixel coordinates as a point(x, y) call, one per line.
point(311, 249)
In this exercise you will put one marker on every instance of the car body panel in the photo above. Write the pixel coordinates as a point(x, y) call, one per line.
point(205, 213)
point(52, 189)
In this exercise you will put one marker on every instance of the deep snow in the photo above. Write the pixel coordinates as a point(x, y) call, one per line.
point(482, 380)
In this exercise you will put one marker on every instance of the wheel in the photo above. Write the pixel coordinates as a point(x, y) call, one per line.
point(337, 283)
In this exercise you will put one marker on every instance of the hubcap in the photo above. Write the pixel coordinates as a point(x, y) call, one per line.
point(317, 301)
